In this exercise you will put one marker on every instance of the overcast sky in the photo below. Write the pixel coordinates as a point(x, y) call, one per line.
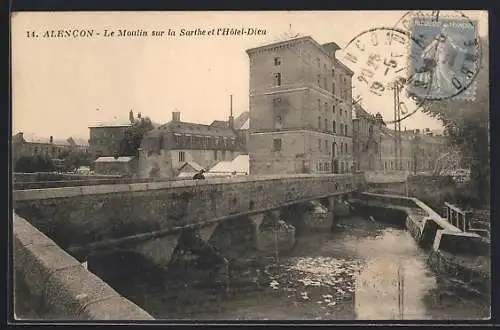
point(63, 85)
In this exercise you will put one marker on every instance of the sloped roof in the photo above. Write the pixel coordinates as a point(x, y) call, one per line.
point(187, 166)
point(107, 159)
point(242, 121)
point(239, 164)
point(195, 129)
point(219, 123)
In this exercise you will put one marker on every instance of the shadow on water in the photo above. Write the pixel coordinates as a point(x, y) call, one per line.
point(363, 269)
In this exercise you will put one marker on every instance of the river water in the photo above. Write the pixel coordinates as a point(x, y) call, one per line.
point(363, 270)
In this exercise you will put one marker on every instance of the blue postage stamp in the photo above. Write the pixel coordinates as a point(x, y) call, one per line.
point(444, 58)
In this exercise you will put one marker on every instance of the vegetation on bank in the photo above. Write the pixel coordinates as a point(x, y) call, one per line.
point(466, 123)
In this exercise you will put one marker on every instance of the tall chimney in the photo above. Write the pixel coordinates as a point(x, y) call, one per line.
point(51, 139)
point(231, 118)
point(176, 116)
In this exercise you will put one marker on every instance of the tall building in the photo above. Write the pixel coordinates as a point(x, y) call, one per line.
point(300, 108)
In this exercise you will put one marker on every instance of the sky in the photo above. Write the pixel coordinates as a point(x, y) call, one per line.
point(61, 86)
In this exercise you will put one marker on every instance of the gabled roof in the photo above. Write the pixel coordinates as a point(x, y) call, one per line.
point(240, 164)
point(190, 166)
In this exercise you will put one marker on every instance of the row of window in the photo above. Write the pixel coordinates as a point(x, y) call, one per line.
point(343, 91)
point(325, 108)
point(327, 167)
point(323, 145)
point(205, 142)
point(182, 155)
point(323, 125)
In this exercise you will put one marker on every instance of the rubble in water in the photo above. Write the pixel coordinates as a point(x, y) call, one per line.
point(322, 280)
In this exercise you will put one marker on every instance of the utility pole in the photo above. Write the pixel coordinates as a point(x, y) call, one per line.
point(397, 127)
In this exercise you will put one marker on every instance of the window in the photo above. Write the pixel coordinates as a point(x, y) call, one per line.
point(327, 167)
point(319, 122)
point(215, 154)
point(341, 129)
point(324, 67)
point(333, 72)
point(326, 145)
point(319, 105)
point(341, 148)
point(277, 79)
point(326, 106)
point(318, 63)
point(333, 88)
point(277, 61)
point(277, 123)
point(178, 139)
point(333, 109)
point(334, 126)
point(326, 124)
point(325, 86)
point(277, 144)
point(182, 156)
point(345, 130)
point(319, 144)
point(319, 80)
point(346, 148)
point(340, 112)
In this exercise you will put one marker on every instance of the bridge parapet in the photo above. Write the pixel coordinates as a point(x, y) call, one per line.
point(54, 285)
point(85, 214)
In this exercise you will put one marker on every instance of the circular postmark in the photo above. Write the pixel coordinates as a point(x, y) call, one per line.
point(446, 54)
point(380, 59)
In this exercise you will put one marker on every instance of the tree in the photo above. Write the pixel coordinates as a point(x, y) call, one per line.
point(467, 128)
point(132, 139)
point(32, 164)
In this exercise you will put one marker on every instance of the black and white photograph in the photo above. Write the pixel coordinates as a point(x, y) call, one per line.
point(250, 166)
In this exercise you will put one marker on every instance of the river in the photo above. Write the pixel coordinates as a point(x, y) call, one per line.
point(363, 270)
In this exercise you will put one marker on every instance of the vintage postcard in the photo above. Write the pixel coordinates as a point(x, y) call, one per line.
point(285, 165)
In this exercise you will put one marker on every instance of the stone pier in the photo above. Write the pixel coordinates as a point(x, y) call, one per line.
point(272, 233)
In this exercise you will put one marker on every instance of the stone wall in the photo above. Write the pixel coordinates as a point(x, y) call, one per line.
point(51, 284)
point(49, 176)
point(75, 216)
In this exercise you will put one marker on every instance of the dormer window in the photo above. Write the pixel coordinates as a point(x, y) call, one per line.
point(277, 61)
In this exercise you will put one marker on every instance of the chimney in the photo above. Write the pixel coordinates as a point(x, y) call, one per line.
point(21, 136)
point(231, 118)
point(51, 139)
point(176, 116)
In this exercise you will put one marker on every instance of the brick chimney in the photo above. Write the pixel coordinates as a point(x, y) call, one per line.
point(51, 139)
point(21, 135)
point(176, 116)
point(231, 118)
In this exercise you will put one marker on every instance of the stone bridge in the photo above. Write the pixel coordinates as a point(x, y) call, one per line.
point(150, 218)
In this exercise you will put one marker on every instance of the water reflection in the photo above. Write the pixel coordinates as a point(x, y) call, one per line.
point(394, 280)
point(364, 270)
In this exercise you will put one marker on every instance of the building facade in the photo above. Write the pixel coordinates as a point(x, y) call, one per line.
point(105, 138)
point(49, 148)
point(169, 147)
point(367, 139)
point(300, 109)
point(420, 150)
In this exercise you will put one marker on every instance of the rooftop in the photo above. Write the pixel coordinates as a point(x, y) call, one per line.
point(113, 159)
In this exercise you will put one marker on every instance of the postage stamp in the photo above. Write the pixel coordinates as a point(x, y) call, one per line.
point(445, 58)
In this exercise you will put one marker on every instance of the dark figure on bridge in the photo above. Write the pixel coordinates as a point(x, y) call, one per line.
point(199, 175)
